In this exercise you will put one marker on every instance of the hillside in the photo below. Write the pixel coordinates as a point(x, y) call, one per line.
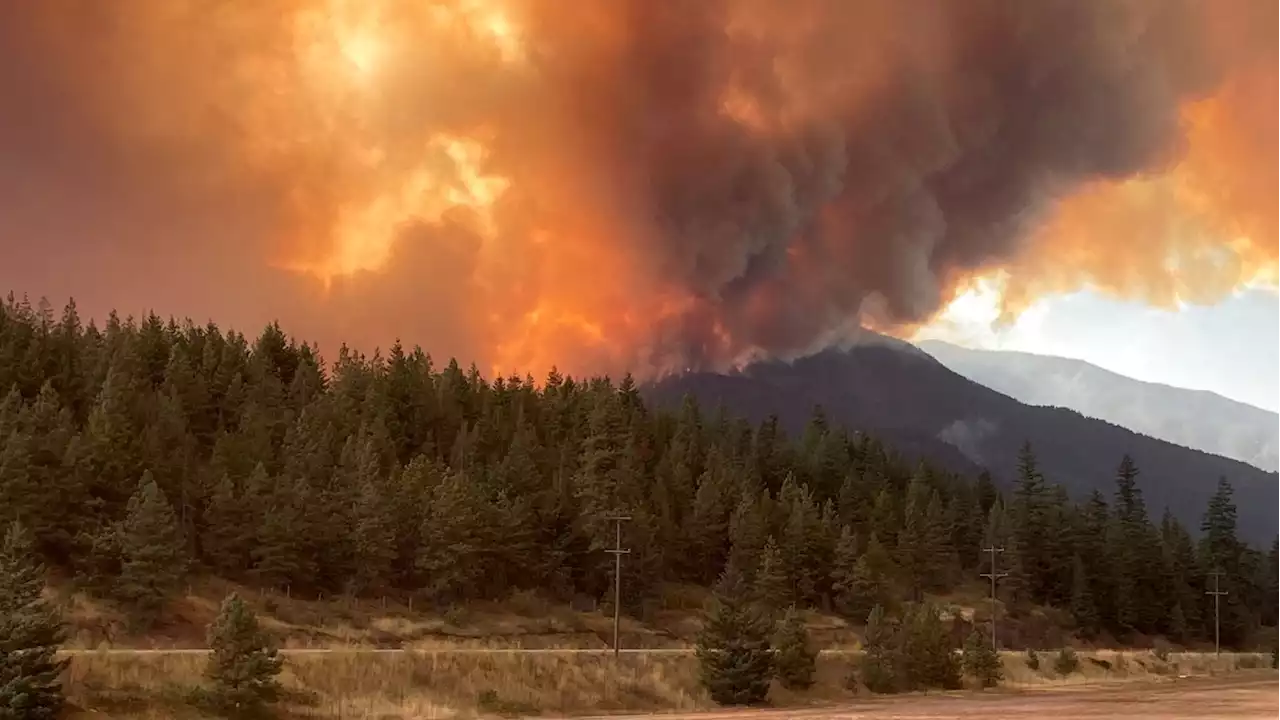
point(1192, 418)
point(899, 393)
point(146, 455)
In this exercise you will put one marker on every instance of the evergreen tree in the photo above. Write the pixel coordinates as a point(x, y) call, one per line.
point(374, 538)
point(1220, 551)
point(227, 534)
point(929, 660)
point(1138, 560)
point(1082, 606)
point(1178, 623)
point(30, 632)
point(879, 666)
point(243, 661)
point(842, 573)
point(733, 648)
point(772, 589)
point(795, 660)
point(980, 661)
point(869, 584)
point(153, 556)
point(915, 550)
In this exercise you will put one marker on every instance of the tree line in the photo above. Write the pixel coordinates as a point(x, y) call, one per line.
point(146, 449)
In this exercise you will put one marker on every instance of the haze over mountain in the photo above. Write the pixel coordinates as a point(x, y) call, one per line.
point(1193, 418)
point(900, 393)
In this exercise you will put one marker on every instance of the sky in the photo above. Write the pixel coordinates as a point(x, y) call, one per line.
point(653, 187)
point(1231, 348)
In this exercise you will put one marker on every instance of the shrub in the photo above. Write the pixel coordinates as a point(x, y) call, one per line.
point(981, 661)
point(1248, 662)
point(1161, 651)
point(1033, 660)
point(1066, 662)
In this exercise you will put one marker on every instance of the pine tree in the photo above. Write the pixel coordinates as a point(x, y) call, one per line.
point(30, 632)
point(928, 657)
point(980, 661)
point(915, 553)
point(842, 572)
point(1177, 623)
point(227, 534)
point(457, 536)
point(1082, 607)
point(280, 549)
point(733, 649)
point(795, 660)
point(879, 666)
point(771, 588)
point(1220, 551)
point(869, 584)
point(374, 539)
point(153, 556)
point(1138, 561)
point(243, 661)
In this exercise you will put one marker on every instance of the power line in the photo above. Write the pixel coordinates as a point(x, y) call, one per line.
point(617, 553)
point(994, 576)
point(1217, 594)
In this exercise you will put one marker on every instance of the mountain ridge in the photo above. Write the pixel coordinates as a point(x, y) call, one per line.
point(1198, 419)
point(923, 408)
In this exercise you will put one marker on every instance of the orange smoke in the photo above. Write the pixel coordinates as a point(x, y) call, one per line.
point(628, 185)
point(1196, 230)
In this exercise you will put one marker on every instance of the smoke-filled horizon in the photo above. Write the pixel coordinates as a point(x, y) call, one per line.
point(630, 185)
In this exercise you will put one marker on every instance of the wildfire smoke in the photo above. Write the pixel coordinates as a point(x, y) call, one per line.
point(632, 184)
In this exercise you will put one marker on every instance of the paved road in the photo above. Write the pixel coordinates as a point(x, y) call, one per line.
point(1192, 699)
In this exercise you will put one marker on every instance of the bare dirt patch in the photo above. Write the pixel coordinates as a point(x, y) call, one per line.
point(1236, 698)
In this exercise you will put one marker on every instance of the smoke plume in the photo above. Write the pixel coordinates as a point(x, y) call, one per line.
point(630, 184)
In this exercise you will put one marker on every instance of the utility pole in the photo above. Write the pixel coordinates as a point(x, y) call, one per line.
point(1217, 594)
point(617, 553)
point(994, 576)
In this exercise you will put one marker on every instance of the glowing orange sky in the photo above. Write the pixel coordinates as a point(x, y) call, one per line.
point(630, 185)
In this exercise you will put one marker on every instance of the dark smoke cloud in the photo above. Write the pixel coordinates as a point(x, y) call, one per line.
point(694, 180)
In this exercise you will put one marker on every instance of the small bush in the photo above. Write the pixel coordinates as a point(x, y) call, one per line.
point(1066, 662)
point(1248, 662)
point(1161, 651)
point(1033, 660)
point(489, 701)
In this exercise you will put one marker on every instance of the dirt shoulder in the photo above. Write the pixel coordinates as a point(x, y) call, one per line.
point(1252, 694)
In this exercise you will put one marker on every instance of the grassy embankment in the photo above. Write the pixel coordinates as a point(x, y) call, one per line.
point(330, 673)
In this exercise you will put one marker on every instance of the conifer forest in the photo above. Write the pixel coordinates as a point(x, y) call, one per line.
point(142, 451)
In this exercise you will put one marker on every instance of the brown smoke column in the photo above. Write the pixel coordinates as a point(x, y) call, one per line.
point(630, 183)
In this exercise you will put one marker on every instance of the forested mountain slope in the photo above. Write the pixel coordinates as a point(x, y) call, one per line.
point(143, 451)
point(1193, 418)
point(899, 393)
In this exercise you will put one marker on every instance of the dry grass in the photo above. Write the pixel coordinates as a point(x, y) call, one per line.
point(387, 686)
point(432, 682)
point(400, 685)
point(1121, 665)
